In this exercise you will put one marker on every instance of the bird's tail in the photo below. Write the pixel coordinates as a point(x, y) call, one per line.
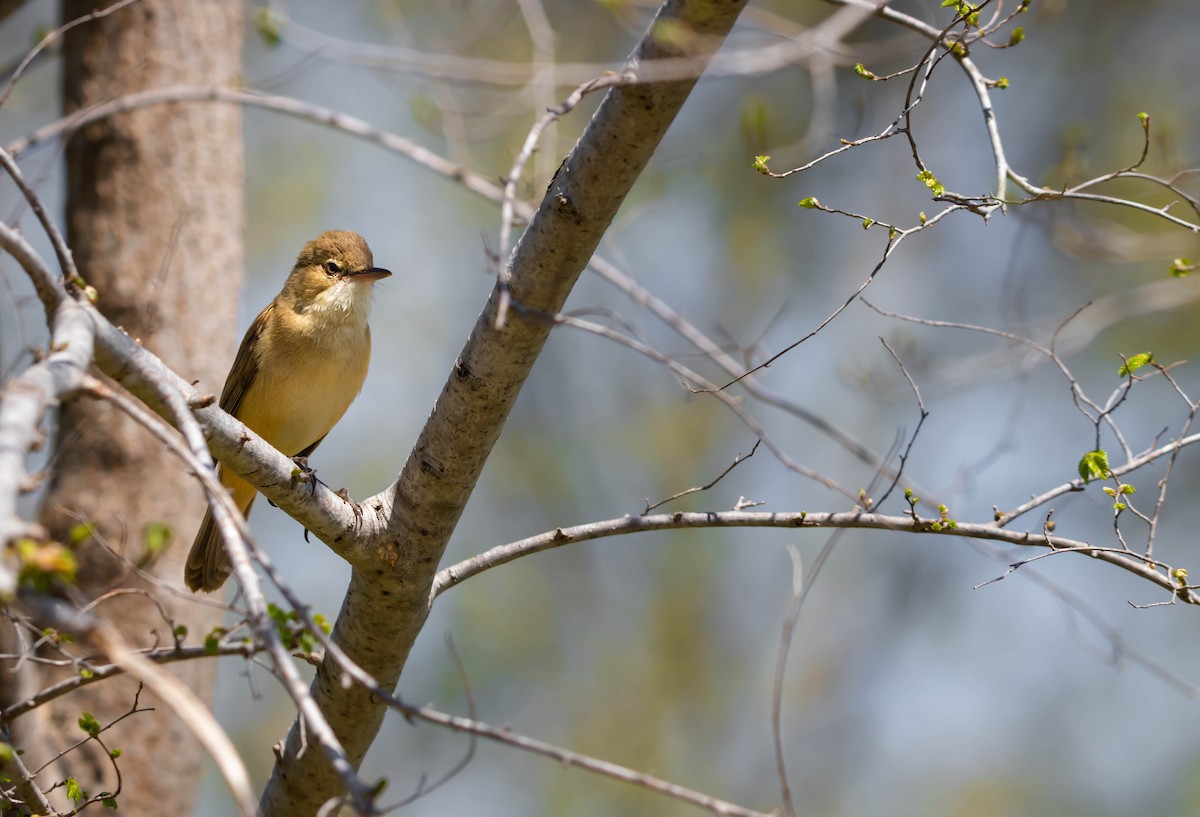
point(208, 564)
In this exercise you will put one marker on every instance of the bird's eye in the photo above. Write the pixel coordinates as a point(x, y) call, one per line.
point(333, 267)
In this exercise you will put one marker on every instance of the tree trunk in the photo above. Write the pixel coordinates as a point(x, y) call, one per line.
point(155, 220)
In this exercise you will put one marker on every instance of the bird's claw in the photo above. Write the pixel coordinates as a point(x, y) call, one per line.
point(355, 507)
point(304, 472)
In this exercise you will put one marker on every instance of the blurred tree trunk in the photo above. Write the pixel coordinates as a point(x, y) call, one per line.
point(155, 219)
point(7, 7)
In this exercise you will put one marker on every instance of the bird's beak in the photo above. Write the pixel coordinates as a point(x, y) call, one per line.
point(369, 274)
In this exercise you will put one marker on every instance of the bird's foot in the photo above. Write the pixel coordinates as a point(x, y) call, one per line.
point(355, 507)
point(304, 473)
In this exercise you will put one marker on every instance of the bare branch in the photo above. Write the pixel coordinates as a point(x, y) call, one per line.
point(924, 415)
point(566, 757)
point(736, 461)
point(29, 396)
point(100, 672)
point(502, 554)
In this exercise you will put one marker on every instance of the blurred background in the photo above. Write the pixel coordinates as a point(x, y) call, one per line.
point(907, 690)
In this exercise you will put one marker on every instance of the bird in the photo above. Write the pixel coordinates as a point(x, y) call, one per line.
point(300, 366)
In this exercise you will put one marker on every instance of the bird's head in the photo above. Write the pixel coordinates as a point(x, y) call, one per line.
point(333, 273)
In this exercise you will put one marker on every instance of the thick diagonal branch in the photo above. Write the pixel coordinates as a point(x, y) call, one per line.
point(386, 604)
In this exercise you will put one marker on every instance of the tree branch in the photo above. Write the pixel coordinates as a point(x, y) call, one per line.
point(26, 400)
point(423, 506)
point(502, 554)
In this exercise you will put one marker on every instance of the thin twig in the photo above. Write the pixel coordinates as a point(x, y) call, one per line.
point(514, 175)
point(100, 672)
point(53, 37)
point(924, 414)
point(702, 386)
point(740, 458)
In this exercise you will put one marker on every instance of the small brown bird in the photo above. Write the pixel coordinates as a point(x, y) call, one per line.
point(300, 366)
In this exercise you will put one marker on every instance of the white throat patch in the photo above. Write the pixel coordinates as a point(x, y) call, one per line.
point(347, 298)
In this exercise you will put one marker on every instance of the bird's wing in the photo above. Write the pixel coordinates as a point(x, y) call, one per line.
point(245, 365)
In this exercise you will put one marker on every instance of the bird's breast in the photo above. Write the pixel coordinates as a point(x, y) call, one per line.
point(305, 381)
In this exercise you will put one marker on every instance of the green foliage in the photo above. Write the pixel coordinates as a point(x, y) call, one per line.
point(76, 794)
point(1182, 267)
point(212, 641)
point(109, 802)
point(156, 536)
point(1002, 83)
point(927, 178)
point(42, 564)
point(1116, 493)
point(80, 533)
point(1094, 465)
point(292, 630)
point(1017, 35)
point(277, 614)
point(760, 164)
point(968, 12)
point(809, 203)
point(1135, 362)
point(268, 24)
point(943, 522)
point(89, 724)
point(56, 637)
point(863, 71)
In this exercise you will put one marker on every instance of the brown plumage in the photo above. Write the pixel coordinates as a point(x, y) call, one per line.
point(301, 364)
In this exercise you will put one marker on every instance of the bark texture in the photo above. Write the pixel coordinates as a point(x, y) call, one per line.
point(155, 219)
point(387, 602)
